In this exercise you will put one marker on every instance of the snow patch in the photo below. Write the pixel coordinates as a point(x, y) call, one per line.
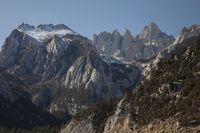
point(113, 59)
point(44, 34)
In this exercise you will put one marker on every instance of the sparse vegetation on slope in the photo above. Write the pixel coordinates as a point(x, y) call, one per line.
point(173, 89)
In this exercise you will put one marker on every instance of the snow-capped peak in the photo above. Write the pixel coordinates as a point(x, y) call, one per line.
point(44, 32)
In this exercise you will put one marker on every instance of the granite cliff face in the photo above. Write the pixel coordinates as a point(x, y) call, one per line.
point(144, 46)
point(61, 69)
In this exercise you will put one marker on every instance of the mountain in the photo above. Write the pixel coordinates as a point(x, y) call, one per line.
point(144, 46)
point(165, 100)
point(61, 70)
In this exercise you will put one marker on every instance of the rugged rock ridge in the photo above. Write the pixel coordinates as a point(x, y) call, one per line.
point(143, 46)
point(186, 33)
point(46, 54)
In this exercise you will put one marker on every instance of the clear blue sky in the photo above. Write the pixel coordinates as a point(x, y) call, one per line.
point(93, 16)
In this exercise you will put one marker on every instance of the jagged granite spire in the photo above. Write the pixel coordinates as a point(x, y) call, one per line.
point(127, 40)
point(150, 32)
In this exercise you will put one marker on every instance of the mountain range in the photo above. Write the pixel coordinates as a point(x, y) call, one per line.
point(113, 83)
point(143, 46)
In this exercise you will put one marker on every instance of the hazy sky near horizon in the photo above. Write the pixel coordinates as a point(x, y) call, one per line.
point(93, 16)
